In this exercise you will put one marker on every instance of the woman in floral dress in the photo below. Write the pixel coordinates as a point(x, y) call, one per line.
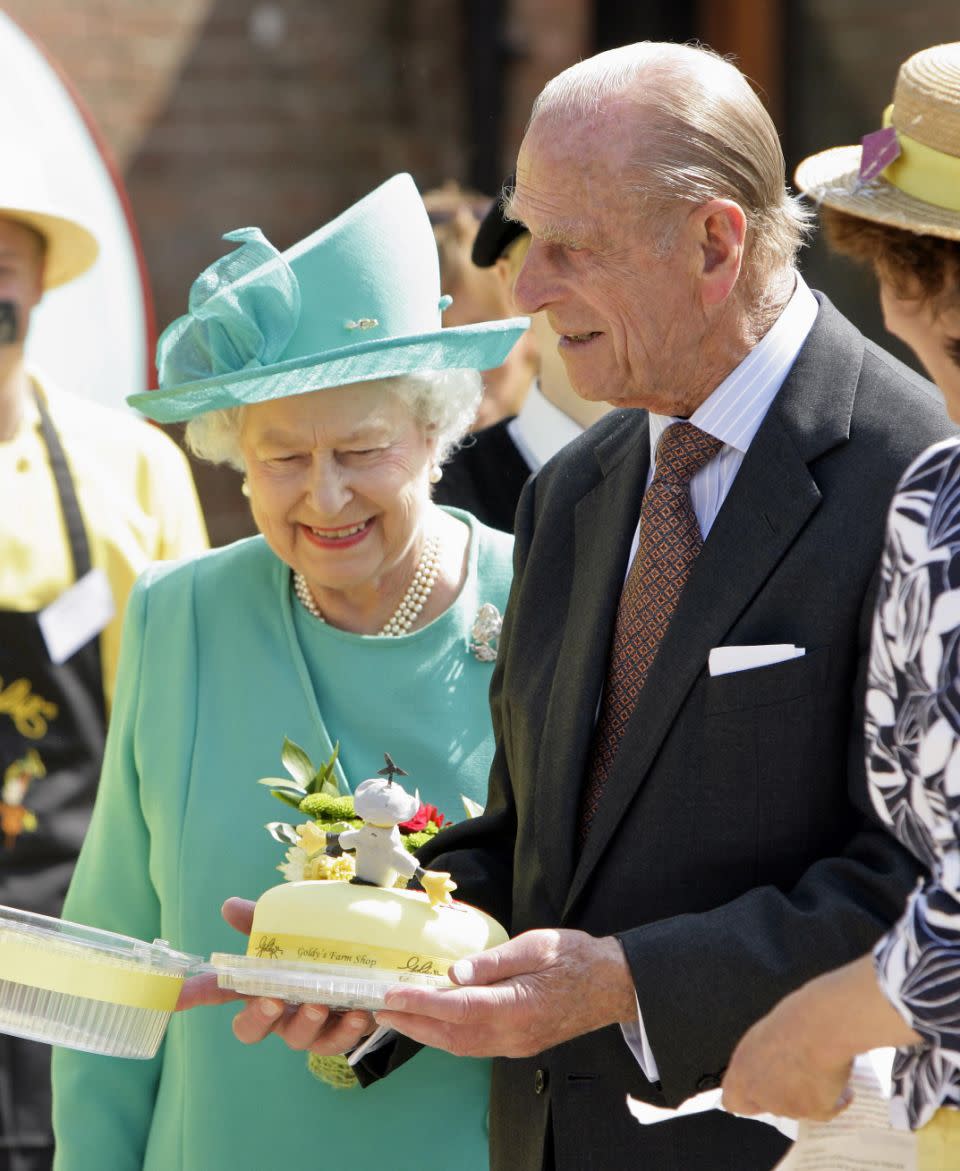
point(895, 203)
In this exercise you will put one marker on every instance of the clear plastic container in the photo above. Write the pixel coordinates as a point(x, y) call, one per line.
point(77, 986)
point(340, 986)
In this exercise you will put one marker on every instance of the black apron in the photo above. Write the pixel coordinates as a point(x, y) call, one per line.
point(52, 731)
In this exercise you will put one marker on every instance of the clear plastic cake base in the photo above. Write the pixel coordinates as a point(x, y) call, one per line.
point(83, 988)
point(78, 1022)
point(340, 986)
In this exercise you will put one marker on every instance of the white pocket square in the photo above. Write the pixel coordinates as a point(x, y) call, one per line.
point(726, 659)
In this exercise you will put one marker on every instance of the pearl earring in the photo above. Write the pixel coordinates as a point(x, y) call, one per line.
point(436, 474)
point(245, 487)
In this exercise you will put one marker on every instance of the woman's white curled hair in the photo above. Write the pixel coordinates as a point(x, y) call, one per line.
point(443, 402)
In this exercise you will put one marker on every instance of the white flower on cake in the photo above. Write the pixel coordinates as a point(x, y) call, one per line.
point(303, 864)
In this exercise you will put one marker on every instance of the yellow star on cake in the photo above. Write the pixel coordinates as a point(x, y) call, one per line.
point(438, 886)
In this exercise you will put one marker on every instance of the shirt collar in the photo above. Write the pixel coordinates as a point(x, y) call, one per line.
point(29, 412)
point(734, 411)
point(541, 429)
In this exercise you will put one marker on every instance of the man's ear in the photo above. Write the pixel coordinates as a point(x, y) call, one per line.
point(720, 227)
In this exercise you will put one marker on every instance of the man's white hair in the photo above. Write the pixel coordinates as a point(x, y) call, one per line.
point(443, 402)
point(702, 134)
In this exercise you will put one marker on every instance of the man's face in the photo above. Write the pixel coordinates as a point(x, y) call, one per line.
point(21, 271)
point(629, 319)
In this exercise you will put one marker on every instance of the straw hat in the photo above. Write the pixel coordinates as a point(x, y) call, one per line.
point(357, 300)
point(71, 247)
point(919, 190)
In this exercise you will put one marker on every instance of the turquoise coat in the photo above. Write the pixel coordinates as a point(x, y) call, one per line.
point(219, 663)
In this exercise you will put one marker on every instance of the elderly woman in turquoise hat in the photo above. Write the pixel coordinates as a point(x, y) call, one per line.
point(322, 372)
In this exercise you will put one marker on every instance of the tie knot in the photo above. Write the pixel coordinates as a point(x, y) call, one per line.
point(682, 451)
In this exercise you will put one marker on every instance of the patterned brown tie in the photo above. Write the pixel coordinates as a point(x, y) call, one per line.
point(669, 543)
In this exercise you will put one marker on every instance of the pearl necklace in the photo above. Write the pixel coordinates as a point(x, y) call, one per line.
point(413, 601)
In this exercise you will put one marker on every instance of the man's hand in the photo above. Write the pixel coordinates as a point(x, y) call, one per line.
point(527, 995)
point(784, 1065)
point(306, 1026)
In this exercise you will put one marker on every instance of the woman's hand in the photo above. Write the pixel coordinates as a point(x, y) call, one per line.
point(784, 1065)
point(796, 1060)
point(313, 1027)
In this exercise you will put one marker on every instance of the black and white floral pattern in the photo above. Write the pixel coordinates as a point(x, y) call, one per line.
point(913, 765)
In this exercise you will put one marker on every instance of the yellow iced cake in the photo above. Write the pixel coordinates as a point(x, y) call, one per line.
point(367, 927)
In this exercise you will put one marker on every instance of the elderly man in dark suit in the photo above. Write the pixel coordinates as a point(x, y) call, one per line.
point(674, 844)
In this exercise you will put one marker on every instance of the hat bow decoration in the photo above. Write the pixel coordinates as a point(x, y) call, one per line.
point(913, 167)
point(242, 312)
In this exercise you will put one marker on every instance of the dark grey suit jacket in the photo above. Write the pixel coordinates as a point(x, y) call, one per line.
point(735, 853)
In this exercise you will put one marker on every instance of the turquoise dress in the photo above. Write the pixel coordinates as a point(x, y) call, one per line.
point(219, 663)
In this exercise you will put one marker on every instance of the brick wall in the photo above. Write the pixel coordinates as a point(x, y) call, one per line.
point(224, 113)
point(545, 38)
point(122, 55)
point(280, 113)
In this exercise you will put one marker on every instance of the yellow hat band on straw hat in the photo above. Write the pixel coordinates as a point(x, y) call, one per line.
point(924, 173)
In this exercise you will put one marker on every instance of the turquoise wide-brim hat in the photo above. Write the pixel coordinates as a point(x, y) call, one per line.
point(357, 300)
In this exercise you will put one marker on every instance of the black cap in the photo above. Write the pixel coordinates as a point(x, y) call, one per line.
point(496, 234)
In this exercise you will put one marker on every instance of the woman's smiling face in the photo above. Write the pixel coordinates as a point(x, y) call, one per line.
point(339, 484)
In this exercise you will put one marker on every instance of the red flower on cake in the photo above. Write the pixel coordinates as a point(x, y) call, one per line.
point(424, 814)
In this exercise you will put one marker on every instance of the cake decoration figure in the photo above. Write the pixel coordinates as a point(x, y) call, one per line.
point(379, 826)
point(378, 850)
point(391, 770)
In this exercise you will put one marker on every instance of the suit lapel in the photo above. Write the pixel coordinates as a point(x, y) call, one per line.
point(769, 503)
point(604, 522)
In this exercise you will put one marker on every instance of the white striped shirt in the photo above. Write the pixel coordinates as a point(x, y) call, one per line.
point(733, 414)
point(734, 411)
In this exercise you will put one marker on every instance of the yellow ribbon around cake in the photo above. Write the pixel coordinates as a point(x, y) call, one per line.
point(923, 172)
point(69, 971)
point(311, 950)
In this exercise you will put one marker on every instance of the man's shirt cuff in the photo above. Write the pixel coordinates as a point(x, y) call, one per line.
point(636, 1038)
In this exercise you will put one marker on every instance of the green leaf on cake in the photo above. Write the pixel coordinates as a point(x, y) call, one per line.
point(325, 780)
point(287, 797)
point(473, 808)
point(297, 763)
point(282, 783)
point(281, 832)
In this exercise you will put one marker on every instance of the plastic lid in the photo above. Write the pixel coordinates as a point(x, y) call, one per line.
point(339, 986)
point(156, 957)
